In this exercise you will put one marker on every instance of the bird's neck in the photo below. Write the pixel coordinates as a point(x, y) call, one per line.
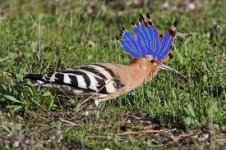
point(137, 74)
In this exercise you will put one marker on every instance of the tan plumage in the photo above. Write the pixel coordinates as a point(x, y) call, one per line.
point(132, 76)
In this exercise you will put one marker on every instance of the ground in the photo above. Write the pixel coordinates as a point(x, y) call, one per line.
point(169, 112)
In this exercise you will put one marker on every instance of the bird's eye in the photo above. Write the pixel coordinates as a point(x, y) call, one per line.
point(152, 61)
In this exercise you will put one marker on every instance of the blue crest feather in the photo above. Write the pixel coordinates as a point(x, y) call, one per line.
point(146, 41)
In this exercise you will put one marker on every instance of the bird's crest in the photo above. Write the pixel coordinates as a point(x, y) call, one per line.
point(146, 40)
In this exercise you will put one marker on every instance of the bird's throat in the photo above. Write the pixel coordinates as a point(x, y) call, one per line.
point(137, 75)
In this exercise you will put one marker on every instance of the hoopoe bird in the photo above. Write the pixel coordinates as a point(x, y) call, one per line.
point(105, 81)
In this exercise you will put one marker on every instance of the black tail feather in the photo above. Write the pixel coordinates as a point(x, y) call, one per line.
point(33, 76)
point(35, 79)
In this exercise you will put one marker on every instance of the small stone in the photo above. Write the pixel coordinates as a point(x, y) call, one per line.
point(96, 102)
point(86, 113)
point(16, 144)
point(165, 5)
point(191, 6)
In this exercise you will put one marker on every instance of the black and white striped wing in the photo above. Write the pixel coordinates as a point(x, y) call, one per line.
point(87, 79)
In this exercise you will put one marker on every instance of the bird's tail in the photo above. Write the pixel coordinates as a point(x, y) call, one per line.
point(36, 79)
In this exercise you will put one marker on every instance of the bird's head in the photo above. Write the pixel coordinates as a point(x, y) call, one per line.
point(148, 65)
point(147, 46)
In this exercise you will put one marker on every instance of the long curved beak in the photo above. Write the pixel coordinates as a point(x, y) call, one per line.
point(165, 67)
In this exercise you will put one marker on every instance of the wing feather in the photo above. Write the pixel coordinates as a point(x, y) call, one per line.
point(85, 79)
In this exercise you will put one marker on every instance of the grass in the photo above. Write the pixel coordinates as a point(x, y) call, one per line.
point(40, 36)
